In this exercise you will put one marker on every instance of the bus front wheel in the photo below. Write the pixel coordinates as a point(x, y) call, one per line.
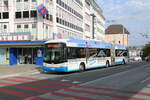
point(82, 67)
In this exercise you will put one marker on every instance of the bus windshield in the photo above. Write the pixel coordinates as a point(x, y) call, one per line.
point(55, 53)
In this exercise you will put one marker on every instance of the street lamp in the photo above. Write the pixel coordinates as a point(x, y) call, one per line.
point(93, 27)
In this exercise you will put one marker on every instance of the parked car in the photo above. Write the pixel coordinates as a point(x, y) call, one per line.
point(137, 58)
point(147, 58)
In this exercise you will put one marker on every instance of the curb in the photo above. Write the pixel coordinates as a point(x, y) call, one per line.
point(17, 74)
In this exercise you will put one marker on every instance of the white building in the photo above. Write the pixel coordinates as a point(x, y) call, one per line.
point(65, 19)
point(25, 29)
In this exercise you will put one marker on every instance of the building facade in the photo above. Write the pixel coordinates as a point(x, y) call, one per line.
point(118, 34)
point(22, 29)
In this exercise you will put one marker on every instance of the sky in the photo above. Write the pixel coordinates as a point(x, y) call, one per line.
point(133, 14)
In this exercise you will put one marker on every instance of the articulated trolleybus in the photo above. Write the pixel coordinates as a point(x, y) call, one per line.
point(78, 55)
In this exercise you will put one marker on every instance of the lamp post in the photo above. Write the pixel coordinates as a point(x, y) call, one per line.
point(93, 27)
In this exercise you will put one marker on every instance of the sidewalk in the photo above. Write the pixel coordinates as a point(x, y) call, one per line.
point(8, 71)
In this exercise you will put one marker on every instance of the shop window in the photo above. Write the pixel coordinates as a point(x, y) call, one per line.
point(33, 13)
point(18, 14)
point(25, 14)
point(5, 15)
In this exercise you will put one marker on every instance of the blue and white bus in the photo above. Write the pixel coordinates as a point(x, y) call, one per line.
point(69, 55)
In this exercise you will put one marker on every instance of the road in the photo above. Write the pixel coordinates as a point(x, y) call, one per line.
point(123, 82)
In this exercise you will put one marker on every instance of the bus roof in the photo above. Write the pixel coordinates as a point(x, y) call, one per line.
point(86, 43)
point(82, 43)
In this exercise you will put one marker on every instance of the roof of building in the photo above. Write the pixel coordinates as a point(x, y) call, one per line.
point(116, 29)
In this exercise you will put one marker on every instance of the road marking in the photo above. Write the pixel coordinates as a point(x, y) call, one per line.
point(64, 80)
point(117, 74)
point(145, 80)
point(148, 68)
point(75, 82)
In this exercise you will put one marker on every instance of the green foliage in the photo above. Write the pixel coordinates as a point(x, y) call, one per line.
point(146, 50)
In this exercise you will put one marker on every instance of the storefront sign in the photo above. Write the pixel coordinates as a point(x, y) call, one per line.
point(14, 38)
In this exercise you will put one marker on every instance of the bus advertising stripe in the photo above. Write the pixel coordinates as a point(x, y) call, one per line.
point(95, 88)
point(83, 91)
point(67, 95)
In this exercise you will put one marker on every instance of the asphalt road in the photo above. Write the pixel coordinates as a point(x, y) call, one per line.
point(123, 82)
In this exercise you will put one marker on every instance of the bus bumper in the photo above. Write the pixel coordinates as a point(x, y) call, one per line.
point(55, 69)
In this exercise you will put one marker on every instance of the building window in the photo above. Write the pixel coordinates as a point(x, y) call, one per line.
point(5, 27)
point(25, 0)
point(6, 4)
point(26, 28)
point(33, 26)
point(18, 0)
point(18, 26)
point(47, 16)
point(33, 0)
point(51, 18)
point(25, 14)
point(0, 16)
point(18, 14)
point(34, 29)
point(33, 13)
point(5, 15)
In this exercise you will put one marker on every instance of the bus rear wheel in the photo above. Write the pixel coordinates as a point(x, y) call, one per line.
point(82, 67)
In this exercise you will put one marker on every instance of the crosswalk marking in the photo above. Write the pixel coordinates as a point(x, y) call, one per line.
point(43, 86)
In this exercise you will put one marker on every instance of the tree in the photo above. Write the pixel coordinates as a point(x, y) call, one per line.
point(146, 50)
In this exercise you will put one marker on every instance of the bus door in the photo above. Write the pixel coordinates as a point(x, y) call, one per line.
point(112, 54)
point(101, 57)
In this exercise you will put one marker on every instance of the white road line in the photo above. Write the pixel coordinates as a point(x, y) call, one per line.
point(64, 80)
point(112, 75)
point(148, 68)
point(75, 82)
point(145, 80)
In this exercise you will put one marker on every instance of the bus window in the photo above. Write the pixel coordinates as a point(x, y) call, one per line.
point(107, 52)
point(76, 53)
point(92, 52)
point(101, 53)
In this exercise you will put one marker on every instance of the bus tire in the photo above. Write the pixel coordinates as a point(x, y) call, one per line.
point(123, 62)
point(82, 67)
point(107, 64)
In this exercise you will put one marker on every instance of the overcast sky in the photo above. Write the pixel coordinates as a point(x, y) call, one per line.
point(133, 14)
